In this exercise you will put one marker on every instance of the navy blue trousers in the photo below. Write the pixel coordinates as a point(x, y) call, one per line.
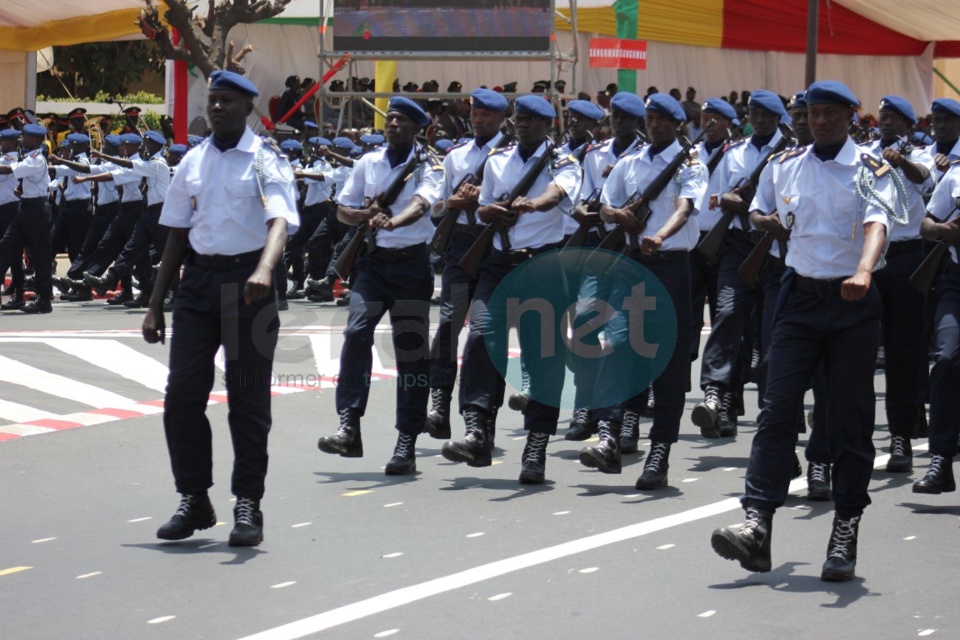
point(945, 374)
point(402, 288)
point(209, 313)
point(30, 229)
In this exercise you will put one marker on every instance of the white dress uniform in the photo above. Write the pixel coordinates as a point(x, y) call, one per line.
point(461, 161)
point(31, 226)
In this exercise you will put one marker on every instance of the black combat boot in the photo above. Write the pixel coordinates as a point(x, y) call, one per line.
point(841, 551)
point(728, 417)
point(818, 481)
point(195, 513)
point(38, 306)
point(346, 441)
point(630, 432)
point(939, 478)
point(706, 414)
point(438, 420)
point(534, 461)
point(750, 544)
point(15, 303)
point(101, 284)
point(404, 460)
point(473, 449)
point(655, 468)
point(605, 457)
point(581, 427)
point(901, 455)
point(248, 524)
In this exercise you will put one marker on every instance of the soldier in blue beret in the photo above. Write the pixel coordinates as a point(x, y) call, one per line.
point(582, 120)
point(463, 167)
point(830, 312)
point(228, 244)
point(797, 108)
point(175, 153)
point(532, 224)
point(661, 243)
point(73, 218)
point(626, 121)
point(394, 276)
point(946, 132)
point(904, 336)
point(9, 206)
point(30, 228)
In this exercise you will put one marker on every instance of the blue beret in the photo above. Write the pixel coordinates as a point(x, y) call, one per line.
point(319, 141)
point(113, 140)
point(9, 134)
point(371, 138)
point(291, 145)
point(194, 140)
point(943, 105)
point(584, 108)
point(767, 100)
point(831, 92)
point(343, 142)
point(720, 107)
point(900, 105)
point(34, 130)
point(535, 105)
point(177, 149)
point(155, 136)
point(309, 124)
point(629, 103)
point(798, 101)
point(356, 152)
point(443, 144)
point(409, 108)
point(230, 81)
point(78, 138)
point(131, 138)
point(667, 105)
point(489, 100)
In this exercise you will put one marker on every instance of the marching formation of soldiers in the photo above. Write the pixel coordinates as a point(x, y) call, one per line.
point(811, 250)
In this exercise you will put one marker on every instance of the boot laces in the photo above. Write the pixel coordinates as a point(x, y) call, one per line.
point(711, 396)
point(658, 455)
point(581, 415)
point(405, 445)
point(844, 535)
point(474, 422)
point(898, 447)
point(754, 520)
point(536, 449)
point(186, 501)
point(244, 511)
point(525, 382)
point(436, 398)
point(937, 464)
point(818, 472)
point(345, 422)
point(726, 406)
point(631, 421)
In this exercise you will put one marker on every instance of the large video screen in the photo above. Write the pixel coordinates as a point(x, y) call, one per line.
point(447, 26)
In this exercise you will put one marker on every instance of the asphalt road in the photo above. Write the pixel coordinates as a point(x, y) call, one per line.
point(450, 553)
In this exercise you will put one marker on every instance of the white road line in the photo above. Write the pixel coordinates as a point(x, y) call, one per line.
point(24, 375)
point(16, 412)
point(406, 595)
point(117, 357)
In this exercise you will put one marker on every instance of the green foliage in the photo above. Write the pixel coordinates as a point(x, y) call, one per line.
point(140, 97)
point(150, 120)
point(107, 68)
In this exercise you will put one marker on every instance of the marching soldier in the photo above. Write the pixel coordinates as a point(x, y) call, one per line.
point(904, 339)
point(532, 224)
point(9, 206)
point(396, 277)
point(461, 199)
point(661, 245)
point(31, 226)
point(830, 312)
point(626, 119)
point(315, 205)
point(720, 376)
point(74, 217)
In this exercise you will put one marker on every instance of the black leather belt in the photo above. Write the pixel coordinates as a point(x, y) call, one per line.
point(660, 256)
point(519, 256)
point(739, 234)
point(821, 288)
point(401, 254)
point(905, 246)
point(471, 230)
point(155, 208)
point(32, 200)
point(223, 263)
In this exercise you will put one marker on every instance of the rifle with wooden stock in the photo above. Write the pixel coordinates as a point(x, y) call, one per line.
point(712, 243)
point(925, 275)
point(639, 203)
point(448, 217)
point(365, 232)
point(471, 260)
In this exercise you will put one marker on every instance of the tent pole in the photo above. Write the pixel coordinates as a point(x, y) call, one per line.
point(180, 92)
point(813, 18)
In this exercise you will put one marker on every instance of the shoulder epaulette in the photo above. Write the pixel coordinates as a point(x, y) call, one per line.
point(271, 144)
point(499, 150)
point(790, 153)
point(878, 167)
point(596, 145)
point(564, 160)
point(434, 161)
point(460, 144)
point(734, 145)
point(632, 152)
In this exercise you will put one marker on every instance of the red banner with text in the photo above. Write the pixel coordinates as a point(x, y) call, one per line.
point(618, 53)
